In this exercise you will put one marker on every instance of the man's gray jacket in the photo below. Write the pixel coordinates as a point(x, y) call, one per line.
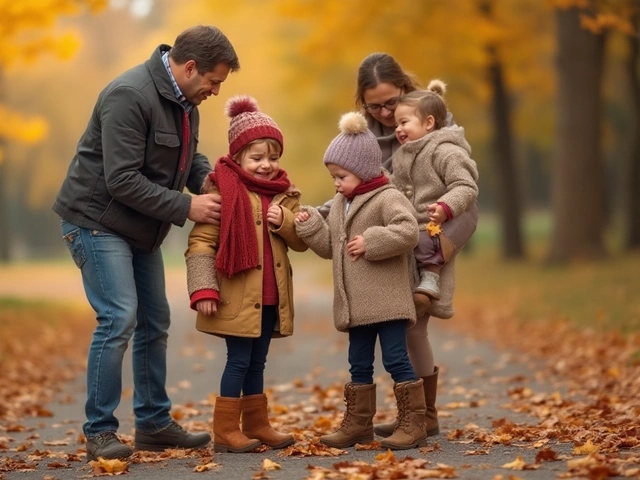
point(130, 168)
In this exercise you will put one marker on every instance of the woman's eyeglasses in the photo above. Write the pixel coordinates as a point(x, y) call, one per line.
point(390, 105)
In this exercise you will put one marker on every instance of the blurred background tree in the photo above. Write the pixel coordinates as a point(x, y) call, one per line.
point(26, 33)
point(549, 135)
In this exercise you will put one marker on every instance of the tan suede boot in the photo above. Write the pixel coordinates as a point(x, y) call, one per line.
point(357, 424)
point(430, 385)
point(255, 422)
point(411, 431)
point(227, 436)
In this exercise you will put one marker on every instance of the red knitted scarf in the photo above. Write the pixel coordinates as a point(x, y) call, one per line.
point(238, 244)
point(368, 186)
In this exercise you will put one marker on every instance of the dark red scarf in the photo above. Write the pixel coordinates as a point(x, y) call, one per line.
point(238, 244)
point(365, 187)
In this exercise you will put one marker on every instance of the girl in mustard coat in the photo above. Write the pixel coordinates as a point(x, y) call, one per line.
point(239, 276)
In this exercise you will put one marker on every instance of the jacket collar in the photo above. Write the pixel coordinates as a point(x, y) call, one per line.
point(360, 201)
point(158, 72)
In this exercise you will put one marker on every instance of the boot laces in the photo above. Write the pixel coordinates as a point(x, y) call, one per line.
point(349, 400)
point(105, 437)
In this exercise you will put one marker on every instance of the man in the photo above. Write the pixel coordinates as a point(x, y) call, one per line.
point(123, 190)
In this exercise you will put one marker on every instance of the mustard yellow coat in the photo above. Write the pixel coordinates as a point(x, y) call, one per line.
point(240, 306)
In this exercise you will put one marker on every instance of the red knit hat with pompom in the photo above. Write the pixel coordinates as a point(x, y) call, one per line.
point(248, 124)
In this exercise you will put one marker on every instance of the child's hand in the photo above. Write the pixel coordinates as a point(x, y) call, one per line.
point(355, 247)
point(207, 307)
point(302, 217)
point(436, 213)
point(275, 215)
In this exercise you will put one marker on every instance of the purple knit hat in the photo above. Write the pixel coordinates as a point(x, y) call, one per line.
point(248, 124)
point(356, 149)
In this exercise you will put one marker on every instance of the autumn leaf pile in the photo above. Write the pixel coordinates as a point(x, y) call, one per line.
point(590, 402)
point(595, 381)
point(37, 358)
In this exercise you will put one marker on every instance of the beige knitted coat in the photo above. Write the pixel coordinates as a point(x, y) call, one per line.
point(438, 168)
point(376, 287)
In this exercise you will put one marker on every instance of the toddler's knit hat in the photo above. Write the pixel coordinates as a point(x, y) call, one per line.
point(356, 148)
point(248, 124)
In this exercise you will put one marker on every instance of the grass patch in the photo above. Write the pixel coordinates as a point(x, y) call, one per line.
point(601, 295)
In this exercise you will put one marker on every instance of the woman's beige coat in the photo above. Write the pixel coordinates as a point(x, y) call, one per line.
point(240, 306)
point(377, 286)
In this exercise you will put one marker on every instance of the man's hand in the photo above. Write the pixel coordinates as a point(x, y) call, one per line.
point(207, 307)
point(205, 208)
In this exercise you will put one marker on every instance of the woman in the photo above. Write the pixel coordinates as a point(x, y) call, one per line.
point(381, 83)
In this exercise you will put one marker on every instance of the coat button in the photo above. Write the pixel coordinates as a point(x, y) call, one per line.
point(278, 264)
point(259, 267)
point(257, 305)
point(259, 222)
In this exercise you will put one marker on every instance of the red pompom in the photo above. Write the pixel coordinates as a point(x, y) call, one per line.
point(240, 104)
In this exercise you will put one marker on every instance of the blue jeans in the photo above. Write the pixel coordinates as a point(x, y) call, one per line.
point(246, 359)
point(393, 343)
point(126, 288)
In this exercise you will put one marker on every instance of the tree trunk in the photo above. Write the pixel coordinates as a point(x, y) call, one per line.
point(578, 182)
point(507, 191)
point(506, 184)
point(632, 170)
point(5, 228)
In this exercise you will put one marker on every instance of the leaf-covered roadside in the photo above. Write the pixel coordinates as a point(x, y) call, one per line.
point(594, 378)
point(590, 405)
point(42, 346)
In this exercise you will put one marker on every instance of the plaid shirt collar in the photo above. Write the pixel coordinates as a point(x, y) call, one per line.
point(176, 89)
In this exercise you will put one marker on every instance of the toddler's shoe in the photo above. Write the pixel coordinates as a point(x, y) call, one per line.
point(429, 284)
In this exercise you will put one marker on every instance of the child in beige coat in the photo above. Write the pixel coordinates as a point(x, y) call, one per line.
point(368, 233)
point(434, 170)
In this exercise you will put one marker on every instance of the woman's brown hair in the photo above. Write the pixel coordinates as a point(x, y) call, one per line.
point(379, 68)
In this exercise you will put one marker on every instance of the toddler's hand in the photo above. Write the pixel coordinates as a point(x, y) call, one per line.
point(275, 215)
point(207, 307)
point(355, 247)
point(436, 213)
point(302, 217)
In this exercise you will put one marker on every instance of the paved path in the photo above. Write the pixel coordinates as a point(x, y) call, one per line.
point(473, 373)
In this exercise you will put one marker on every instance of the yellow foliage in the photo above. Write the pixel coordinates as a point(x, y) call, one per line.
point(270, 465)
point(567, 4)
point(433, 229)
point(25, 35)
point(17, 126)
point(586, 449)
point(606, 21)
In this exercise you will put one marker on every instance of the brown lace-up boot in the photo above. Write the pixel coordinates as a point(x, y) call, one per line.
point(430, 385)
point(255, 422)
point(411, 431)
point(227, 436)
point(357, 424)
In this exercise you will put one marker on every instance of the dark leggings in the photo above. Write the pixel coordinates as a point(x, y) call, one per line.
point(246, 359)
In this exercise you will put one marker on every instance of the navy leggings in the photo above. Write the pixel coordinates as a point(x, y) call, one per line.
point(393, 343)
point(246, 359)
